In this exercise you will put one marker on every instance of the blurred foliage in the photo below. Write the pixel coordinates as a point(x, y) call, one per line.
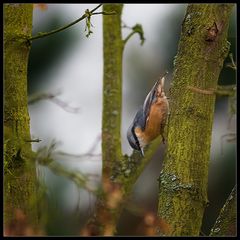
point(21, 226)
point(228, 75)
point(46, 53)
point(56, 217)
point(222, 178)
point(58, 220)
point(41, 6)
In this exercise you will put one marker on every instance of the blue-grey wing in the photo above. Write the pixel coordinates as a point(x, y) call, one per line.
point(138, 121)
point(132, 139)
point(149, 100)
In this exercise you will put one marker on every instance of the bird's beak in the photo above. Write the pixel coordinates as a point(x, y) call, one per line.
point(142, 152)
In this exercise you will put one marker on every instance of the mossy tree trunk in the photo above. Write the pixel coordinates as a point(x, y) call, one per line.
point(226, 223)
point(183, 181)
point(19, 173)
point(112, 87)
point(104, 221)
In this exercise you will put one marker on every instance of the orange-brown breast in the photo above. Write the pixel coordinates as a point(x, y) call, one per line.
point(157, 116)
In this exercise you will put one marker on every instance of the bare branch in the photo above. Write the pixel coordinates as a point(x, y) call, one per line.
point(203, 91)
point(94, 145)
point(133, 166)
point(53, 98)
point(221, 90)
point(64, 105)
point(87, 15)
point(230, 138)
point(93, 10)
point(89, 153)
point(104, 13)
point(41, 34)
point(44, 158)
point(78, 155)
point(232, 64)
point(34, 140)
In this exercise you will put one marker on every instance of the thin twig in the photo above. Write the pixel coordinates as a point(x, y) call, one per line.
point(232, 137)
point(138, 163)
point(203, 91)
point(94, 145)
point(124, 25)
point(44, 158)
point(52, 97)
point(85, 15)
point(228, 90)
point(77, 177)
point(96, 8)
point(33, 140)
point(232, 64)
point(221, 90)
point(64, 105)
point(135, 29)
point(78, 155)
point(128, 37)
point(104, 13)
point(89, 152)
point(41, 96)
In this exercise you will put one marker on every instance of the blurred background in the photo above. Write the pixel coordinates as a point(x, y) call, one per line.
point(70, 65)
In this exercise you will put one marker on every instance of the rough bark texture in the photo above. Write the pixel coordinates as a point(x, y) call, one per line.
point(119, 172)
point(132, 167)
point(183, 181)
point(17, 27)
point(226, 223)
point(19, 174)
point(104, 221)
point(112, 87)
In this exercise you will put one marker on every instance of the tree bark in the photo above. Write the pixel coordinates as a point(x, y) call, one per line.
point(112, 87)
point(104, 221)
point(226, 223)
point(19, 172)
point(183, 181)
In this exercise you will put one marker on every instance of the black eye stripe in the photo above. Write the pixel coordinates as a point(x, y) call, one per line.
point(136, 139)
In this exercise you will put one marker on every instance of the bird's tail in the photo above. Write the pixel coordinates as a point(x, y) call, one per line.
point(159, 85)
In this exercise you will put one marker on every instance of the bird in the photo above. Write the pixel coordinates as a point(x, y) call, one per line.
point(150, 119)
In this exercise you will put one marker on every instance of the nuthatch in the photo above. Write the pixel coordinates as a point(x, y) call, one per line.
point(150, 119)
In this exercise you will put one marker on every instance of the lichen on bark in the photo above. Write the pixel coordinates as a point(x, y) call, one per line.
point(226, 223)
point(19, 171)
point(183, 181)
point(112, 87)
point(17, 28)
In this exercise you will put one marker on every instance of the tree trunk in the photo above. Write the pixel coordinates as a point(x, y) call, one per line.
point(183, 181)
point(226, 223)
point(104, 221)
point(112, 87)
point(19, 172)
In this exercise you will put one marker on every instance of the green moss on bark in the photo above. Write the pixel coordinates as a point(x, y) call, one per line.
point(183, 182)
point(107, 211)
point(17, 28)
point(226, 223)
point(19, 171)
point(112, 87)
